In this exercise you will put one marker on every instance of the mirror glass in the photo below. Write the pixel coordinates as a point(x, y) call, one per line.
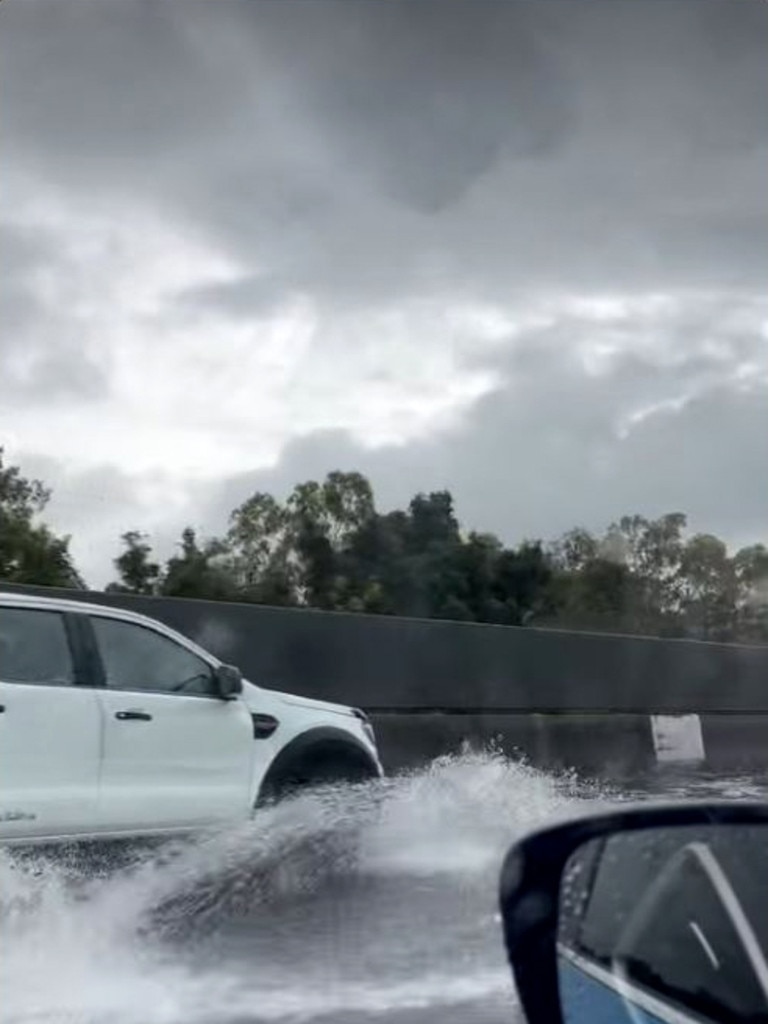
point(666, 925)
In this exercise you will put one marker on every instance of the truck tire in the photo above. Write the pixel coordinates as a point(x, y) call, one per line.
point(325, 765)
point(330, 849)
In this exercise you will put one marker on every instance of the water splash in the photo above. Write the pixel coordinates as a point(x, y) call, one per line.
point(274, 920)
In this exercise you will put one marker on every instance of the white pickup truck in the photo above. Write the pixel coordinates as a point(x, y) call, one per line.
point(113, 725)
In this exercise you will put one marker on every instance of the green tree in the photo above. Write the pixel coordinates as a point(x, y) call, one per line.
point(709, 588)
point(29, 551)
point(629, 579)
point(591, 586)
point(322, 518)
point(292, 553)
point(475, 569)
point(348, 504)
point(373, 567)
point(522, 583)
point(574, 550)
point(198, 571)
point(750, 565)
point(259, 556)
point(652, 550)
point(598, 595)
point(429, 580)
point(139, 574)
point(328, 547)
point(312, 551)
point(417, 563)
point(432, 521)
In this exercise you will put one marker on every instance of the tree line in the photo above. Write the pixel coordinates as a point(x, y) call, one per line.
point(328, 547)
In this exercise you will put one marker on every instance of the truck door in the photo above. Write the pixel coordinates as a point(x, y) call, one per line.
point(175, 753)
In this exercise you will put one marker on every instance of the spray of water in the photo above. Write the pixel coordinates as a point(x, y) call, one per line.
point(373, 901)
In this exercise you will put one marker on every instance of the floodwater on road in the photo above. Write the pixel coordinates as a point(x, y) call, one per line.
point(374, 904)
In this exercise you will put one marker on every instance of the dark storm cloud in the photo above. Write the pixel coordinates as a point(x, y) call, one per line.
point(23, 251)
point(47, 371)
point(53, 372)
point(100, 86)
point(421, 96)
point(41, 355)
point(356, 147)
point(243, 298)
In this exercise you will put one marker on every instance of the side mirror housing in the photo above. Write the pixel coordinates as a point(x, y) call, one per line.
point(229, 682)
point(652, 913)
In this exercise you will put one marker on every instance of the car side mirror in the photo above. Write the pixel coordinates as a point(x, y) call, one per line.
point(651, 914)
point(229, 682)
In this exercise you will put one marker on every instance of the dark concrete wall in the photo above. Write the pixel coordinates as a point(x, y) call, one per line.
point(560, 698)
point(380, 662)
point(615, 746)
point(609, 746)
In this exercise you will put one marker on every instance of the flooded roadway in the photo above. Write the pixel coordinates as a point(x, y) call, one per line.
point(377, 905)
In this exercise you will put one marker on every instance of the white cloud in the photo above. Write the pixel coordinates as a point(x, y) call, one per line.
point(200, 393)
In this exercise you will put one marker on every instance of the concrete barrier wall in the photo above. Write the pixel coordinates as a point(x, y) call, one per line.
point(615, 746)
point(610, 746)
point(598, 702)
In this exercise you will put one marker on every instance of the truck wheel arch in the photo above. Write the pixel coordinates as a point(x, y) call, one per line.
point(317, 756)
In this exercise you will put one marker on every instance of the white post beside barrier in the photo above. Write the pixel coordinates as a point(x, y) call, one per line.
point(677, 738)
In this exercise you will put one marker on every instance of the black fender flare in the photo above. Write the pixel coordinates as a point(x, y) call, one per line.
point(313, 745)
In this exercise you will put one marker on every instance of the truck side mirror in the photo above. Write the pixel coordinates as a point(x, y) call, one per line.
point(229, 682)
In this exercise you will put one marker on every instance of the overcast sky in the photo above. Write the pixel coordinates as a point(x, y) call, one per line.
point(518, 250)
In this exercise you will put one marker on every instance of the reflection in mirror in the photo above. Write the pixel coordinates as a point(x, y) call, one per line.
point(666, 925)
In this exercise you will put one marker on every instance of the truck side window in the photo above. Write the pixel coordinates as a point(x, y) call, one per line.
point(137, 658)
point(34, 647)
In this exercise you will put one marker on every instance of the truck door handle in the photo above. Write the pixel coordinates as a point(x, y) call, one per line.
point(133, 716)
point(2, 708)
